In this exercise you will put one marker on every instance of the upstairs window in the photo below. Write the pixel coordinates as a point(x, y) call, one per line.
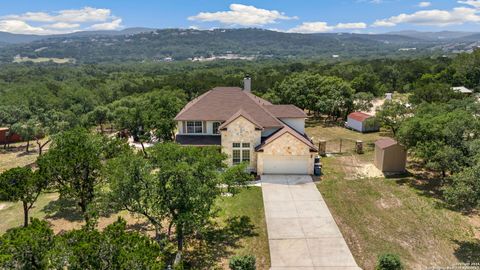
point(216, 125)
point(195, 127)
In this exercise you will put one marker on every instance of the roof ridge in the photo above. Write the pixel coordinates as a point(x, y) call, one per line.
point(193, 102)
point(265, 110)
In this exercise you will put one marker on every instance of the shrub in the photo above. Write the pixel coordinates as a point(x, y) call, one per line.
point(389, 262)
point(242, 263)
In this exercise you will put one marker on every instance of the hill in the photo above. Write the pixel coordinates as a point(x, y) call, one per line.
point(142, 44)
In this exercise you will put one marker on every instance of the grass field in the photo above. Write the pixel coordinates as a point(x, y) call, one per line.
point(15, 155)
point(378, 215)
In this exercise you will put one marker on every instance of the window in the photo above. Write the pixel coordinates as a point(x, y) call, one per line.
point(194, 127)
point(241, 153)
point(216, 125)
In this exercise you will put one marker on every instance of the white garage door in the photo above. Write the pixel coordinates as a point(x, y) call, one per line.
point(286, 164)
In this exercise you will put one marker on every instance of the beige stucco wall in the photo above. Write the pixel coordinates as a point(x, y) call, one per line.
point(286, 145)
point(241, 131)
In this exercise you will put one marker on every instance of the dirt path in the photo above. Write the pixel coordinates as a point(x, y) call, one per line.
point(355, 169)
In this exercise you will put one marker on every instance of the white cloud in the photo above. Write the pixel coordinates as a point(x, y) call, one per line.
point(435, 17)
point(424, 4)
point(62, 25)
point(322, 27)
point(59, 22)
point(86, 14)
point(473, 3)
point(113, 25)
point(242, 15)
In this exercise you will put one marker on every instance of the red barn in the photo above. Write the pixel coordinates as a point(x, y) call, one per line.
point(4, 138)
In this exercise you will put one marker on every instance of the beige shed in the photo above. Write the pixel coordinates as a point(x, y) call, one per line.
point(390, 156)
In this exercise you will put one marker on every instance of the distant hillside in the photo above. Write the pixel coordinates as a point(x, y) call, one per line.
point(10, 38)
point(182, 44)
point(433, 36)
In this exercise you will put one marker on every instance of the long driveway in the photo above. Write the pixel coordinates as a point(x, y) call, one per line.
point(302, 233)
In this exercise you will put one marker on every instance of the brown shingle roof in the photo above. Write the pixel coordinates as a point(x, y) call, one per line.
point(385, 143)
point(287, 129)
point(221, 103)
point(285, 111)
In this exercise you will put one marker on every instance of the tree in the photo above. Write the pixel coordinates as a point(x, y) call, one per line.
point(149, 116)
point(189, 184)
point(367, 83)
point(26, 247)
point(363, 101)
point(392, 114)
point(100, 116)
point(21, 184)
point(463, 189)
point(135, 189)
point(441, 135)
point(236, 177)
point(27, 130)
point(431, 92)
point(73, 164)
point(113, 248)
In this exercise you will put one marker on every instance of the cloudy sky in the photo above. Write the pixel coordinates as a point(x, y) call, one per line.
point(303, 16)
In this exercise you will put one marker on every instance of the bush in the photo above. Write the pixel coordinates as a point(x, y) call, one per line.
point(389, 262)
point(242, 263)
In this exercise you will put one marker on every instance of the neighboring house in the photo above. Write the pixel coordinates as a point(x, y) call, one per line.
point(362, 122)
point(5, 137)
point(390, 156)
point(270, 138)
point(462, 90)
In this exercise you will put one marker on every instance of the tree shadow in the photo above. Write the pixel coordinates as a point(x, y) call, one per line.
point(217, 242)
point(468, 251)
point(428, 183)
point(63, 208)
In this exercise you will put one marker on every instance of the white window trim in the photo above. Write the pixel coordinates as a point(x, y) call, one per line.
point(194, 127)
point(213, 127)
point(241, 149)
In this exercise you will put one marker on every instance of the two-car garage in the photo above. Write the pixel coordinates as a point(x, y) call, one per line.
point(275, 164)
point(286, 152)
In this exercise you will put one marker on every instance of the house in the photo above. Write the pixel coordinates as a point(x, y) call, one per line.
point(390, 156)
point(270, 138)
point(5, 137)
point(462, 90)
point(362, 122)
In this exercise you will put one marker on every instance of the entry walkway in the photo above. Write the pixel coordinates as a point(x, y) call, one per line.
point(302, 233)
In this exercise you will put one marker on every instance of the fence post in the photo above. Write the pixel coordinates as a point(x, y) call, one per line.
point(340, 146)
point(322, 148)
point(359, 147)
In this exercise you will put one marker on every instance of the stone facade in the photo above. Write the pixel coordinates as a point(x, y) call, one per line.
point(241, 131)
point(286, 145)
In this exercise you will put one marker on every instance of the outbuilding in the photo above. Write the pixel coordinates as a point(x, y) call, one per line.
point(362, 122)
point(390, 156)
point(6, 138)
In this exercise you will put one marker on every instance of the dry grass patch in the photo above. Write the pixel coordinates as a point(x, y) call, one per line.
point(378, 215)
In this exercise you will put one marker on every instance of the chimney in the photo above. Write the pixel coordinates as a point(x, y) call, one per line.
point(247, 84)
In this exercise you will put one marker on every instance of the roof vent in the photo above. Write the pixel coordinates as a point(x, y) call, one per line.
point(247, 84)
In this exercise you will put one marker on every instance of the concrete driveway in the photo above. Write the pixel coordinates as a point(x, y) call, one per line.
point(301, 231)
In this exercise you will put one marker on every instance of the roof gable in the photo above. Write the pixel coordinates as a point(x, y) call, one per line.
point(240, 113)
point(285, 111)
point(291, 131)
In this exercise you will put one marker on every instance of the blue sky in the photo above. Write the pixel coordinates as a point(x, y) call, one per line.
point(304, 16)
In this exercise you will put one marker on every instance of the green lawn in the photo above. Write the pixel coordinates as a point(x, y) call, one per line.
point(391, 215)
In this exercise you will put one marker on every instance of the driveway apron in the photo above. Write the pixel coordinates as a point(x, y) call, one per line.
point(302, 233)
